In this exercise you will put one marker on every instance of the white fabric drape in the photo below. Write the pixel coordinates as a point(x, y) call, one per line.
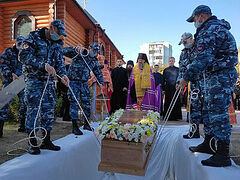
point(80, 156)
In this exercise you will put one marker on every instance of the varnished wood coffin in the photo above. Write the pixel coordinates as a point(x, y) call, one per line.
point(123, 156)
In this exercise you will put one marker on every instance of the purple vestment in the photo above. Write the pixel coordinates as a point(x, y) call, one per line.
point(152, 97)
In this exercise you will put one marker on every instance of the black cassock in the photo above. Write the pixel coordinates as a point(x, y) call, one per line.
point(119, 97)
point(170, 75)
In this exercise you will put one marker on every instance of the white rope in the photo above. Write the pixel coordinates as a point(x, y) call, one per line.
point(215, 144)
point(34, 128)
point(80, 107)
point(97, 82)
point(170, 108)
point(192, 127)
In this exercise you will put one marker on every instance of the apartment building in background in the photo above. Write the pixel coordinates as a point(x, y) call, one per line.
point(157, 52)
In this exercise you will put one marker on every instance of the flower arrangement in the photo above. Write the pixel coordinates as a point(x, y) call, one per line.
point(139, 132)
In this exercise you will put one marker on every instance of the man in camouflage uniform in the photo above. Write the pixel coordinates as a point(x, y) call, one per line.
point(194, 96)
point(79, 74)
point(216, 57)
point(41, 54)
point(11, 69)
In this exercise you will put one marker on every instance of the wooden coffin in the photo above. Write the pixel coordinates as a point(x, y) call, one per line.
point(123, 156)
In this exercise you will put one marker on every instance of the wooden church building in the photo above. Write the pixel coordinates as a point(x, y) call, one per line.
point(19, 17)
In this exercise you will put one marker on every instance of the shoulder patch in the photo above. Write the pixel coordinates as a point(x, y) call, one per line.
point(200, 47)
point(25, 45)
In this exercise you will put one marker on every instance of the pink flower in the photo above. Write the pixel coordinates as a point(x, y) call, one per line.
point(126, 136)
point(112, 134)
point(127, 126)
point(143, 139)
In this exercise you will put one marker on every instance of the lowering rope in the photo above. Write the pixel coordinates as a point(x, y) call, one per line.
point(40, 139)
point(193, 126)
point(34, 129)
point(94, 77)
point(169, 111)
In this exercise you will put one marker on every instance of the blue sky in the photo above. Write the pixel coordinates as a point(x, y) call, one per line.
point(130, 23)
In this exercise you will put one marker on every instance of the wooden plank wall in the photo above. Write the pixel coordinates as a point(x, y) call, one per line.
point(75, 32)
point(1, 30)
point(39, 10)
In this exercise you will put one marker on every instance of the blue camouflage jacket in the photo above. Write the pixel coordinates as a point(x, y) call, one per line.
point(9, 63)
point(184, 60)
point(78, 70)
point(37, 51)
point(216, 49)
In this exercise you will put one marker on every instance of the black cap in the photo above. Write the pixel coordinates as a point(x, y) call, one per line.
point(130, 62)
point(143, 56)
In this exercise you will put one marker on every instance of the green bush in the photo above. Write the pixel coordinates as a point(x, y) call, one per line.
point(58, 105)
point(13, 109)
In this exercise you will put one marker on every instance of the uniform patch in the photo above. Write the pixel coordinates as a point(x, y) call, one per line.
point(25, 45)
point(200, 47)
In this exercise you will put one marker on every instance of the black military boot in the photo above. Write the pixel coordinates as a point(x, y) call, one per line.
point(21, 127)
point(192, 134)
point(221, 158)
point(204, 146)
point(1, 128)
point(86, 126)
point(76, 129)
point(47, 143)
point(31, 149)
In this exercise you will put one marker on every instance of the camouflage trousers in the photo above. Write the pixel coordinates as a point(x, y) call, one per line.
point(82, 92)
point(22, 108)
point(195, 96)
point(33, 93)
point(217, 100)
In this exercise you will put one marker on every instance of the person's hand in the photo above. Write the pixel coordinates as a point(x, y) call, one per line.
point(234, 96)
point(65, 80)
point(50, 69)
point(14, 76)
point(101, 86)
point(79, 48)
point(125, 89)
point(182, 84)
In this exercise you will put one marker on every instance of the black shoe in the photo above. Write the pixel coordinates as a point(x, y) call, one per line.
point(50, 146)
point(33, 150)
point(193, 134)
point(47, 143)
point(76, 129)
point(87, 127)
point(204, 146)
point(190, 135)
point(221, 158)
point(21, 127)
point(1, 128)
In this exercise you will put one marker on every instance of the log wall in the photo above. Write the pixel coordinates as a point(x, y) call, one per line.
point(40, 10)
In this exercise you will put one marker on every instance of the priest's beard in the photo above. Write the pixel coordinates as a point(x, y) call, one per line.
point(141, 66)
